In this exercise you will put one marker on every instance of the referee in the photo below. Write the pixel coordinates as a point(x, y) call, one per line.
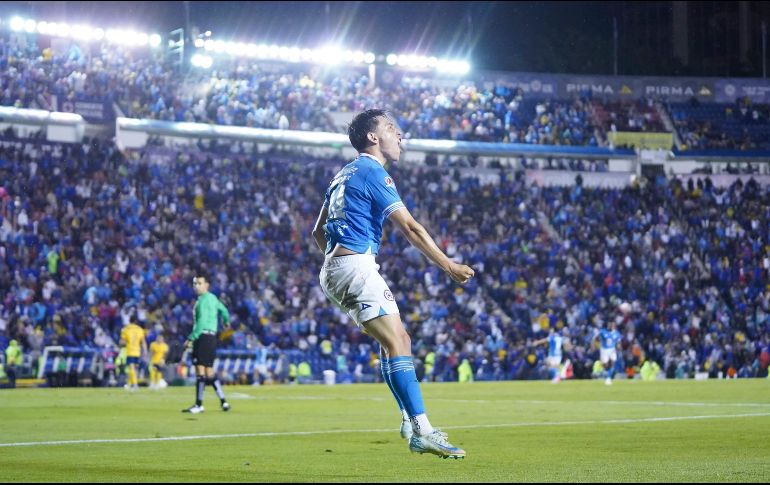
point(203, 340)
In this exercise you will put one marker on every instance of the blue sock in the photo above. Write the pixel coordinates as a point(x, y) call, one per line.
point(385, 368)
point(405, 385)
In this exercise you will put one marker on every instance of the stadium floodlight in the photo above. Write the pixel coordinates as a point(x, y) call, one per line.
point(84, 32)
point(330, 55)
point(62, 30)
point(80, 32)
point(202, 61)
point(17, 24)
point(453, 67)
point(113, 35)
point(295, 54)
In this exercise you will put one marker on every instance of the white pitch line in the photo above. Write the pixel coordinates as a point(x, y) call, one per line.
point(622, 403)
point(524, 401)
point(388, 430)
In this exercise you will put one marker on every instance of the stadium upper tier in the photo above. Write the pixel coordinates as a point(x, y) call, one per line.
point(305, 98)
point(90, 239)
point(738, 126)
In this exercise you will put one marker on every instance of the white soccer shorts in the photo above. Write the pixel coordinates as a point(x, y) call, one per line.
point(606, 355)
point(553, 361)
point(354, 284)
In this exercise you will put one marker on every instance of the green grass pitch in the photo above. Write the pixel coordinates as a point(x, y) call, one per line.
point(583, 431)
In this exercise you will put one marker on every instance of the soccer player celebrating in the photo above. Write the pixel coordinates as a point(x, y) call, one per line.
point(132, 337)
point(608, 353)
point(555, 344)
point(203, 341)
point(348, 231)
point(158, 351)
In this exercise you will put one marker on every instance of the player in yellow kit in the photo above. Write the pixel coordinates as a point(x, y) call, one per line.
point(158, 351)
point(132, 337)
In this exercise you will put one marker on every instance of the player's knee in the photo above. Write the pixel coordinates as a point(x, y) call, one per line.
point(404, 343)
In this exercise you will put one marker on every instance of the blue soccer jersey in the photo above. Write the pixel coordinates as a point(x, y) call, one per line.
point(609, 338)
point(359, 199)
point(554, 345)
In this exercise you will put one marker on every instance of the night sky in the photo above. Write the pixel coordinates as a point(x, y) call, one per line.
point(514, 36)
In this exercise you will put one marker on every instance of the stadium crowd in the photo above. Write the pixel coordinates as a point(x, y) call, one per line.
point(91, 238)
point(290, 97)
point(285, 96)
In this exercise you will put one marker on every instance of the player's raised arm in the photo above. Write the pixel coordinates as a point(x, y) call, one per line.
point(418, 237)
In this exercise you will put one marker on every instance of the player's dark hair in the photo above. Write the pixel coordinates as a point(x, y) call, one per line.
point(363, 124)
point(202, 273)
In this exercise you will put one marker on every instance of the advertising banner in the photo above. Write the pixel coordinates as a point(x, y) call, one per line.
point(641, 139)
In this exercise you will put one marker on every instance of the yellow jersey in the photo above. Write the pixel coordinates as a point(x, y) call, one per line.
point(158, 352)
point(133, 336)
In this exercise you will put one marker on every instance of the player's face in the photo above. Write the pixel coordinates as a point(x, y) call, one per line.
point(389, 135)
point(200, 285)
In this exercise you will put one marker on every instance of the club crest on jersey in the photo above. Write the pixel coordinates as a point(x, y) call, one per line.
point(388, 182)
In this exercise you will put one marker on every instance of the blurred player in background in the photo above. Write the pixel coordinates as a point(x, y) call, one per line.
point(348, 231)
point(132, 337)
point(608, 354)
point(158, 352)
point(556, 344)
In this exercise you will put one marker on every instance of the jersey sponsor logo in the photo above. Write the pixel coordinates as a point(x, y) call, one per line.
point(389, 295)
point(388, 182)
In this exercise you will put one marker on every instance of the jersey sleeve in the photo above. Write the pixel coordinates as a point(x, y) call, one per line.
point(223, 310)
point(385, 197)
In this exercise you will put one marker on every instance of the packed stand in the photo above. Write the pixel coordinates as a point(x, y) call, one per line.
point(287, 97)
point(90, 240)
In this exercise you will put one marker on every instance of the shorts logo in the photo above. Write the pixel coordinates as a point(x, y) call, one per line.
point(364, 306)
point(389, 295)
point(388, 181)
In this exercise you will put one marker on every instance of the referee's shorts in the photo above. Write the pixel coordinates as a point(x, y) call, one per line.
point(205, 350)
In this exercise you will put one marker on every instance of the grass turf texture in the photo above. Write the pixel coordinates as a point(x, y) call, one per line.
point(665, 431)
